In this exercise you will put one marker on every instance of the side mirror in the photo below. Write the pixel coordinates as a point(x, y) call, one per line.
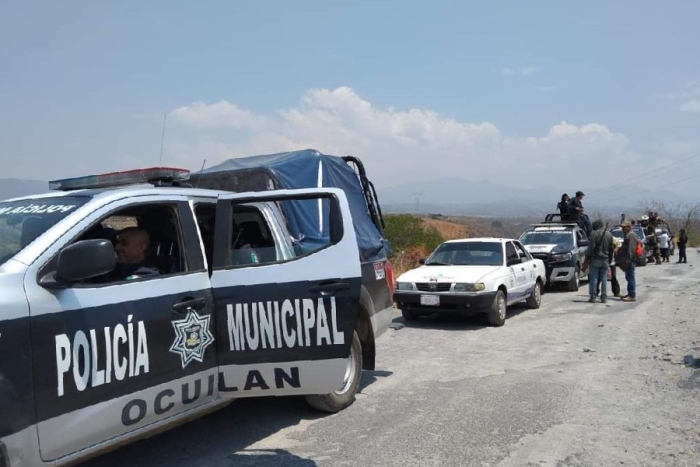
point(82, 260)
point(514, 260)
point(583, 243)
point(421, 261)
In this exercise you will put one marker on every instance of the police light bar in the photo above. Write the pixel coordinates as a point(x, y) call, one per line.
point(129, 177)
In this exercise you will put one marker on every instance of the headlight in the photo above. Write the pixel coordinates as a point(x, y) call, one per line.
point(562, 257)
point(404, 286)
point(469, 287)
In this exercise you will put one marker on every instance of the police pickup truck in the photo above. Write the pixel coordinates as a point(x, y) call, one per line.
point(210, 297)
point(561, 246)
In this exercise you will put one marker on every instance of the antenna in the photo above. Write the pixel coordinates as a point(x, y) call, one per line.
point(200, 171)
point(418, 195)
point(162, 140)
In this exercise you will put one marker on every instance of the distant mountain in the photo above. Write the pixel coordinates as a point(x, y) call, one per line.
point(456, 196)
point(13, 187)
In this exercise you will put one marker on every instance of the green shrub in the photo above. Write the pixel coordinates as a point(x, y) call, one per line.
point(406, 231)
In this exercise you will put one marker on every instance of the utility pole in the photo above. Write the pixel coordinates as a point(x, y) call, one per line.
point(418, 195)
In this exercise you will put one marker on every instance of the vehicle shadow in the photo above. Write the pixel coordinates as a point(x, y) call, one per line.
point(369, 377)
point(223, 438)
point(456, 321)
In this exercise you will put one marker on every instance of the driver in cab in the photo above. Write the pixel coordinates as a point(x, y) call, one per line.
point(131, 248)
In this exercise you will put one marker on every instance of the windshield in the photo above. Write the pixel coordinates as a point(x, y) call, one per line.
point(21, 222)
point(467, 254)
point(548, 237)
point(618, 233)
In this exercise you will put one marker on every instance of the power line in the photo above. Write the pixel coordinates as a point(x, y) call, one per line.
point(675, 182)
point(653, 172)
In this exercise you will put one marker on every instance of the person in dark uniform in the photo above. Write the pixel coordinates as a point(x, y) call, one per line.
point(577, 214)
point(653, 241)
point(682, 243)
point(131, 249)
point(563, 207)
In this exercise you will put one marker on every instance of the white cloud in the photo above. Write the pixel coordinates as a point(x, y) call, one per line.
point(522, 71)
point(221, 113)
point(406, 145)
point(691, 106)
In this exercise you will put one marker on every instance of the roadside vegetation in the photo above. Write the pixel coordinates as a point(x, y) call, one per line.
point(414, 237)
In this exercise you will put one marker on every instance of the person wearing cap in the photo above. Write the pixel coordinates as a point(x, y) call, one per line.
point(627, 260)
point(576, 213)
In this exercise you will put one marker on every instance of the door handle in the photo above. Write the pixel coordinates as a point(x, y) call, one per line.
point(329, 287)
point(194, 303)
point(522, 269)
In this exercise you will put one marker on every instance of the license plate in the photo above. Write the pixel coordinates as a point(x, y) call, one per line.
point(430, 300)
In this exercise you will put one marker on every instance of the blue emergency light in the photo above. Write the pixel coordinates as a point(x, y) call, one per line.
point(152, 175)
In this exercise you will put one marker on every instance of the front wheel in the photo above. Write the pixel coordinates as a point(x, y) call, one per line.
point(575, 282)
point(497, 313)
point(345, 396)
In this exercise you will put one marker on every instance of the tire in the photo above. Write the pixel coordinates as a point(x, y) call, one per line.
point(408, 315)
point(641, 262)
point(575, 282)
point(343, 398)
point(497, 313)
point(535, 299)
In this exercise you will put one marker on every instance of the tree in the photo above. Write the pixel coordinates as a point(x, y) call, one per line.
point(678, 215)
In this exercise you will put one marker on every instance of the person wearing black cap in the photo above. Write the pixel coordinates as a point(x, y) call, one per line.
point(577, 214)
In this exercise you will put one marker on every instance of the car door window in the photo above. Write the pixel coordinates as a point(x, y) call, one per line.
point(522, 252)
point(511, 253)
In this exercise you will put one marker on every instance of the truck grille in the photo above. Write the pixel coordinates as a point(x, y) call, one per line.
point(433, 286)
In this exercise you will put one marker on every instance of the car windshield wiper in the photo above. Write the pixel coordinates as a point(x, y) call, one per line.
point(436, 263)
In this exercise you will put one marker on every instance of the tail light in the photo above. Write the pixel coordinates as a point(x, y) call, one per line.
point(389, 274)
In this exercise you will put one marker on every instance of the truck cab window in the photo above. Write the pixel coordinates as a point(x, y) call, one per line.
point(251, 238)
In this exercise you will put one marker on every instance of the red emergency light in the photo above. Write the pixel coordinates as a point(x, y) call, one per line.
point(151, 175)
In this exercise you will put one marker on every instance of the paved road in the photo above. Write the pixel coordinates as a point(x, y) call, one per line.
point(570, 384)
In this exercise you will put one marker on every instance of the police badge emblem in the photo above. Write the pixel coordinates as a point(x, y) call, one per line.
point(192, 337)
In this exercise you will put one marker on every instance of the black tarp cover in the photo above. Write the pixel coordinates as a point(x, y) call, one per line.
point(301, 169)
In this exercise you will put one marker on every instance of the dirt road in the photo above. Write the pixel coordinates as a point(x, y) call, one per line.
point(570, 384)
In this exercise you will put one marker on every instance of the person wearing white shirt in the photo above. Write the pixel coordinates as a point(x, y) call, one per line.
point(664, 245)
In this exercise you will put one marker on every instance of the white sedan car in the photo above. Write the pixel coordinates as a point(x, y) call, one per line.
point(474, 275)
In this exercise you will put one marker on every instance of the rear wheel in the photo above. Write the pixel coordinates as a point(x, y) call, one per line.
point(535, 299)
point(497, 314)
point(345, 396)
point(642, 261)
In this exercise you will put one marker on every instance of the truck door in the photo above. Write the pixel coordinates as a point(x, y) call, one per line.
point(285, 311)
point(113, 355)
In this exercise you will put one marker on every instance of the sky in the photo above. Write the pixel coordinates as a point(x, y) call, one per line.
point(523, 94)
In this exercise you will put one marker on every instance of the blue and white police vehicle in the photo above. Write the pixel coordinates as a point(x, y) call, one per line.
point(211, 296)
point(472, 275)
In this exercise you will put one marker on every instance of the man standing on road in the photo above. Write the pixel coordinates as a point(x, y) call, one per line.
point(599, 257)
point(682, 242)
point(627, 260)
